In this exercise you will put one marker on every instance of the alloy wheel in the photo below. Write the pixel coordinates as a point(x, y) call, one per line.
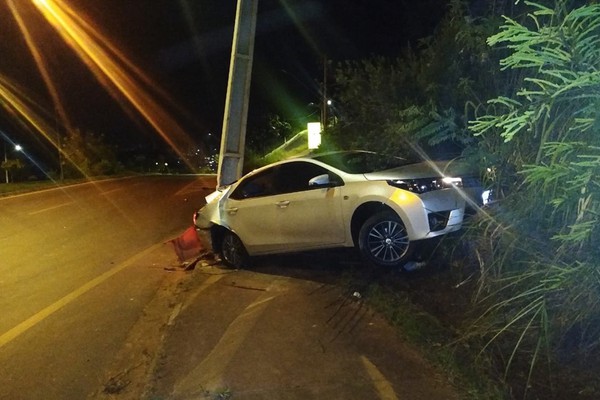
point(388, 241)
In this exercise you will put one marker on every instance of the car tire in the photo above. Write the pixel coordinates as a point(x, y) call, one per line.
point(383, 240)
point(232, 251)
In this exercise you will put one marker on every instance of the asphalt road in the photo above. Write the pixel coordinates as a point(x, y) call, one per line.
point(78, 267)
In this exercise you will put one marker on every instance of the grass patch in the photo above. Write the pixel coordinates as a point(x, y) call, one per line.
point(7, 189)
point(464, 367)
point(25, 187)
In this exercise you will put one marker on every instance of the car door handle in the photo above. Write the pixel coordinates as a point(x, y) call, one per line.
point(282, 204)
point(232, 210)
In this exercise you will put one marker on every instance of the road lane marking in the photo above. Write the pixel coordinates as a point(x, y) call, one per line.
point(35, 319)
point(209, 373)
point(113, 191)
point(383, 386)
point(43, 210)
point(174, 314)
point(63, 187)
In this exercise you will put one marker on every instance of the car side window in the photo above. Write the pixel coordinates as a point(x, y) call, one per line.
point(294, 176)
point(261, 184)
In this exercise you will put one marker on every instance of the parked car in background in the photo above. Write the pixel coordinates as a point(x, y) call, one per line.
point(382, 205)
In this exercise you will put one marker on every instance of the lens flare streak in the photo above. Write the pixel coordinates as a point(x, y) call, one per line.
point(112, 69)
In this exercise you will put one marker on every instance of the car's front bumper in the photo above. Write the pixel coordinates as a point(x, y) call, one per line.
point(205, 236)
point(429, 214)
point(204, 226)
point(453, 223)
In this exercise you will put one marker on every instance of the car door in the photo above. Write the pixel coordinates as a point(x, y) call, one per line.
point(308, 217)
point(251, 213)
point(276, 210)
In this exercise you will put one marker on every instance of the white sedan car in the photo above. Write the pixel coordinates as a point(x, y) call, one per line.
point(382, 205)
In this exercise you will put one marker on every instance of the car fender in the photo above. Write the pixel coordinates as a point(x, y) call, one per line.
point(211, 213)
point(400, 201)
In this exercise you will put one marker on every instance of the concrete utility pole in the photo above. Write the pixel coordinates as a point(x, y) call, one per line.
point(233, 139)
point(324, 101)
point(5, 164)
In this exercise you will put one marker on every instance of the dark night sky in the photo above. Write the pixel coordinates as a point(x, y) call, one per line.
point(185, 45)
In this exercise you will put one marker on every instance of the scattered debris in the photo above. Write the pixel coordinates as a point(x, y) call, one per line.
point(205, 258)
point(247, 287)
point(116, 384)
point(414, 265)
point(219, 394)
point(185, 266)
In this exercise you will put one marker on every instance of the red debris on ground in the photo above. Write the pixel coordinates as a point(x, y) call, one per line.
point(188, 245)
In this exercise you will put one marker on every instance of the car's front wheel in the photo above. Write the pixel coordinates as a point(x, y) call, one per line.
point(232, 251)
point(383, 240)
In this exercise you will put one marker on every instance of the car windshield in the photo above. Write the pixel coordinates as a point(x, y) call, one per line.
point(361, 162)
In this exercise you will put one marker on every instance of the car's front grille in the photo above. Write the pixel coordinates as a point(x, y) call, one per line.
point(438, 220)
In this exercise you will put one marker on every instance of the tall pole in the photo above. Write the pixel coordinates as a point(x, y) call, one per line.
point(60, 157)
point(233, 138)
point(324, 100)
point(59, 145)
point(5, 164)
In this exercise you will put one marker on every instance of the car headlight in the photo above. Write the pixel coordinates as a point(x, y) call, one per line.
point(423, 185)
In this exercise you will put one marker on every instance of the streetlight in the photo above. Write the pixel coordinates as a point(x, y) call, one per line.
point(18, 147)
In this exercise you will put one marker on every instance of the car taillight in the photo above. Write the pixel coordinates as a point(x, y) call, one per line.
point(423, 185)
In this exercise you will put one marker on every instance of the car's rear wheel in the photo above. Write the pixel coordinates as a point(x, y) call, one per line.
point(383, 240)
point(232, 251)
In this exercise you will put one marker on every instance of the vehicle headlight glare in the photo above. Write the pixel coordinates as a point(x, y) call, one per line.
point(486, 197)
point(452, 181)
point(424, 185)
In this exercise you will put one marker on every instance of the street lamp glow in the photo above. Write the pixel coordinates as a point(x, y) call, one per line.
point(18, 147)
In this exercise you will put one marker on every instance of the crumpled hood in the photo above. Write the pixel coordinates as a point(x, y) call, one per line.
point(209, 214)
point(425, 169)
point(217, 194)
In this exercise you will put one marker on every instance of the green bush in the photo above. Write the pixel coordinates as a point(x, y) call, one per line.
point(539, 255)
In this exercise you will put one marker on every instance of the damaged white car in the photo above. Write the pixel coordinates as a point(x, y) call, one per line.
point(382, 205)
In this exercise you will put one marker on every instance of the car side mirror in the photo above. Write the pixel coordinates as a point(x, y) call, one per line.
point(322, 181)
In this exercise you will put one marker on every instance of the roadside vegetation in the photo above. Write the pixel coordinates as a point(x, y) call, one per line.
point(23, 187)
point(87, 155)
point(83, 155)
point(515, 89)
